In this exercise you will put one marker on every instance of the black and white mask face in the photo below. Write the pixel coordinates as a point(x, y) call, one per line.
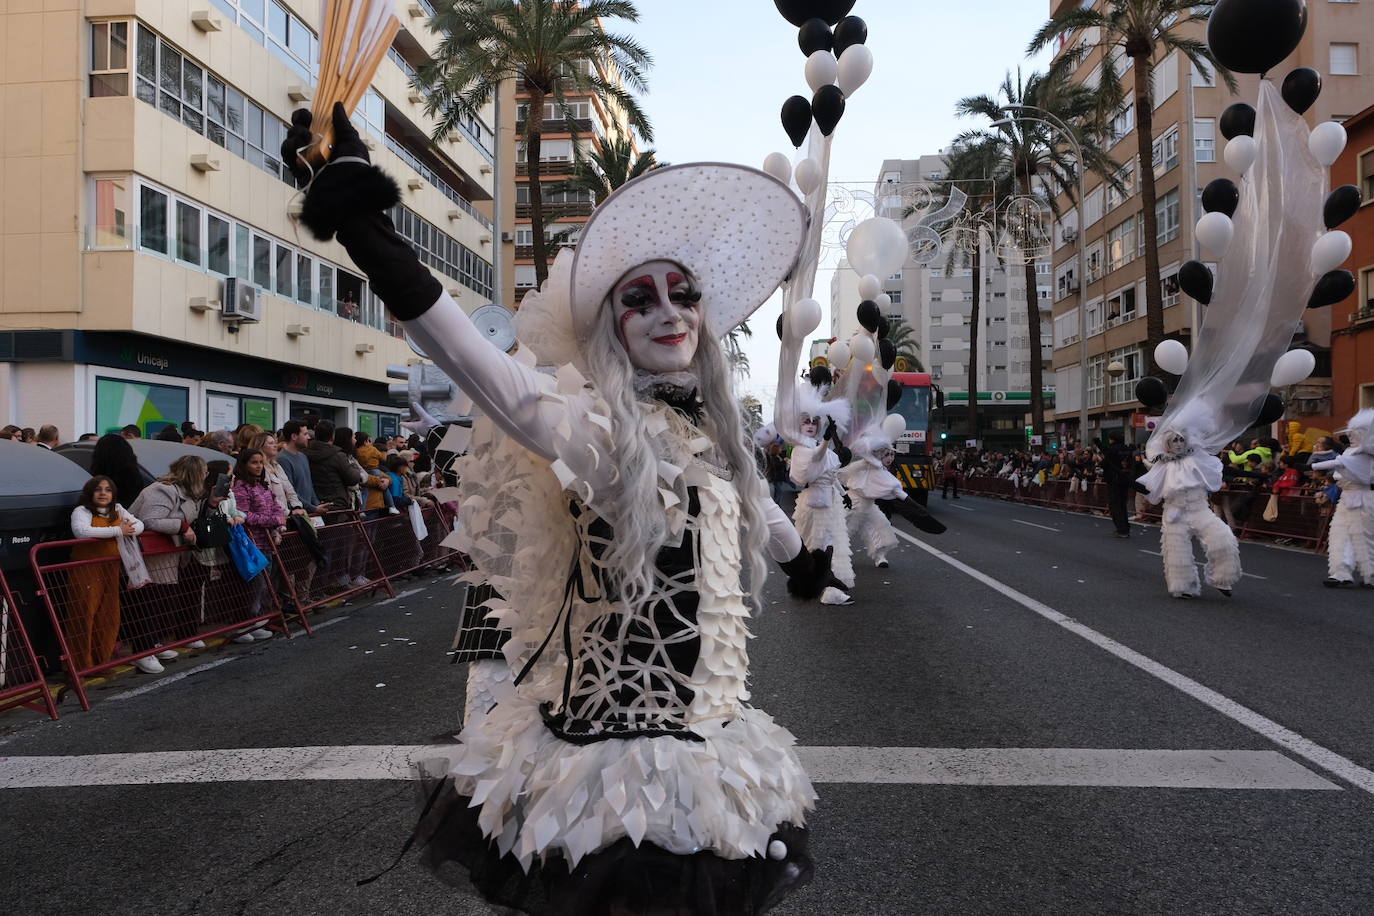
point(658, 315)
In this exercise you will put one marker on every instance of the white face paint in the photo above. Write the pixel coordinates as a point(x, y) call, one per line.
point(658, 320)
point(1176, 444)
point(810, 427)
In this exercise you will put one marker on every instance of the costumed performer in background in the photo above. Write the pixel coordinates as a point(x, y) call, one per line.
point(1351, 538)
point(626, 772)
point(816, 462)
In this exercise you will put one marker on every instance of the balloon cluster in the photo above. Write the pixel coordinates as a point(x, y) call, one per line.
point(1254, 36)
point(838, 62)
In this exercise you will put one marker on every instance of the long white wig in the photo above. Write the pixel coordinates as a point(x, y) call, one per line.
point(636, 517)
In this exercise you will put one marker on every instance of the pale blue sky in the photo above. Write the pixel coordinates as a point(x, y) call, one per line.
point(722, 69)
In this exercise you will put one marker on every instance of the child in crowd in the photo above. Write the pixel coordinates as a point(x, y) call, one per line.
point(92, 625)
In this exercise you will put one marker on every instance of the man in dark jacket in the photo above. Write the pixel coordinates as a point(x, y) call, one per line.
point(1118, 465)
point(330, 469)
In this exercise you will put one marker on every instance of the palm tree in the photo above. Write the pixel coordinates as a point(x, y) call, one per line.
point(978, 168)
point(1035, 152)
point(903, 337)
point(1143, 30)
point(612, 163)
point(554, 47)
point(739, 360)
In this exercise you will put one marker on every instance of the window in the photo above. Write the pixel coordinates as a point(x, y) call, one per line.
point(217, 244)
point(109, 59)
point(1123, 385)
point(1094, 318)
point(1121, 306)
point(1125, 178)
point(119, 403)
point(1096, 367)
point(188, 233)
point(1366, 169)
point(1092, 205)
point(1165, 151)
point(272, 25)
point(303, 272)
point(112, 203)
point(1166, 217)
point(1165, 77)
point(326, 289)
point(1170, 291)
point(1123, 123)
point(524, 276)
point(262, 262)
point(243, 253)
point(286, 286)
point(1344, 59)
point(1066, 279)
point(443, 252)
point(1205, 139)
point(152, 220)
point(1201, 80)
point(1095, 262)
point(895, 295)
point(1121, 244)
point(1066, 328)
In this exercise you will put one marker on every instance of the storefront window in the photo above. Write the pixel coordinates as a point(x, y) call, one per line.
point(150, 407)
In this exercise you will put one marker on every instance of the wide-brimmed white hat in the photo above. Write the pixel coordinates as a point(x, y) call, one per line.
point(735, 229)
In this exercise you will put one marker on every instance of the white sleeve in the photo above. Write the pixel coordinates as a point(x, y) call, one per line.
point(502, 388)
point(1331, 465)
point(82, 527)
point(783, 541)
point(126, 516)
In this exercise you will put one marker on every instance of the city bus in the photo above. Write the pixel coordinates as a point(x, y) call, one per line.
point(915, 466)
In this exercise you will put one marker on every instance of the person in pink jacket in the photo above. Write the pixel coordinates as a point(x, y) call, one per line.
point(264, 517)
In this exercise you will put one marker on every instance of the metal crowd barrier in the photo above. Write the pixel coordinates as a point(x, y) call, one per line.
point(1300, 517)
point(21, 680)
point(347, 568)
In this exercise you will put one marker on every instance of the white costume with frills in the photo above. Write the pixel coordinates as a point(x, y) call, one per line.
point(1350, 547)
point(1183, 485)
point(867, 480)
point(819, 515)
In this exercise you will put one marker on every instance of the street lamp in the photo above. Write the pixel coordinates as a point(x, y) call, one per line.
point(1044, 117)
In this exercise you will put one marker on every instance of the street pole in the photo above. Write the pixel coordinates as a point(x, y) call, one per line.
point(498, 198)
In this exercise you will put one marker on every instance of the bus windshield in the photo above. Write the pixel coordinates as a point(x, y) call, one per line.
point(914, 408)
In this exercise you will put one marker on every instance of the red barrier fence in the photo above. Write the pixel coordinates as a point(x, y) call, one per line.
point(21, 681)
point(1300, 517)
point(100, 623)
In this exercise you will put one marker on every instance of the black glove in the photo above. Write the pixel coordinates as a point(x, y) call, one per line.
point(831, 433)
point(349, 197)
point(808, 573)
point(913, 512)
point(1140, 487)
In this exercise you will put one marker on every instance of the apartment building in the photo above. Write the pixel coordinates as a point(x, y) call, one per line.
point(1352, 331)
point(934, 295)
point(1109, 286)
point(566, 135)
point(151, 273)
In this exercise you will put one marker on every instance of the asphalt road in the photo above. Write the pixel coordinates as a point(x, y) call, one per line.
point(1053, 635)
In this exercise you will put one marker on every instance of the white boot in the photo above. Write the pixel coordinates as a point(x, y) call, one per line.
point(833, 595)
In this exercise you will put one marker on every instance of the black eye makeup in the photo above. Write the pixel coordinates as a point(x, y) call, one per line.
point(636, 298)
point(685, 296)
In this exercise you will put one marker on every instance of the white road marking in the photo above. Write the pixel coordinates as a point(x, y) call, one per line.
point(960, 508)
point(1156, 553)
point(328, 623)
point(404, 594)
point(1286, 738)
point(172, 679)
point(1034, 525)
point(1171, 769)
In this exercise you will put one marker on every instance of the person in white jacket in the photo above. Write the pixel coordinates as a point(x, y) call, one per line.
point(1350, 546)
point(92, 607)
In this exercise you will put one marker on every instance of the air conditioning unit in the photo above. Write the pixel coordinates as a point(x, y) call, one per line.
point(240, 301)
point(1069, 235)
point(508, 236)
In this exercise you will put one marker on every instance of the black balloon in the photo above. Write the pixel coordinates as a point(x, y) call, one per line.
point(884, 328)
point(1333, 286)
point(1254, 36)
point(1221, 196)
point(827, 107)
point(1195, 279)
point(851, 31)
point(1268, 408)
point(869, 315)
point(1238, 120)
point(887, 353)
point(779, 327)
point(815, 36)
point(894, 393)
point(1341, 204)
point(1301, 88)
point(1151, 391)
point(829, 11)
point(796, 119)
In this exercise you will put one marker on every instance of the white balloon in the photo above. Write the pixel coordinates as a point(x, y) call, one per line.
point(1330, 252)
point(883, 301)
point(1172, 356)
point(1292, 367)
point(1327, 142)
point(804, 317)
point(877, 246)
point(779, 166)
point(821, 69)
point(1240, 153)
point(1215, 231)
point(894, 424)
point(869, 286)
point(862, 348)
point(855, 66)
point(808, 175)
point(838, 354)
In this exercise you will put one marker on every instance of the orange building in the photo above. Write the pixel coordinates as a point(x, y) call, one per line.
point(1352, 321)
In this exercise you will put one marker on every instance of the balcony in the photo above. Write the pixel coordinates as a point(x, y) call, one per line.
point(429, 175)
point(560, 126)
point(548, 168)
point(556, 211)
point(1364, 316)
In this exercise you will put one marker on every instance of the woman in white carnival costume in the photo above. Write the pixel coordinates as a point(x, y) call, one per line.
point(1182, 476)
point(612, 506)
point(816, 462)
point(1351, 547)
